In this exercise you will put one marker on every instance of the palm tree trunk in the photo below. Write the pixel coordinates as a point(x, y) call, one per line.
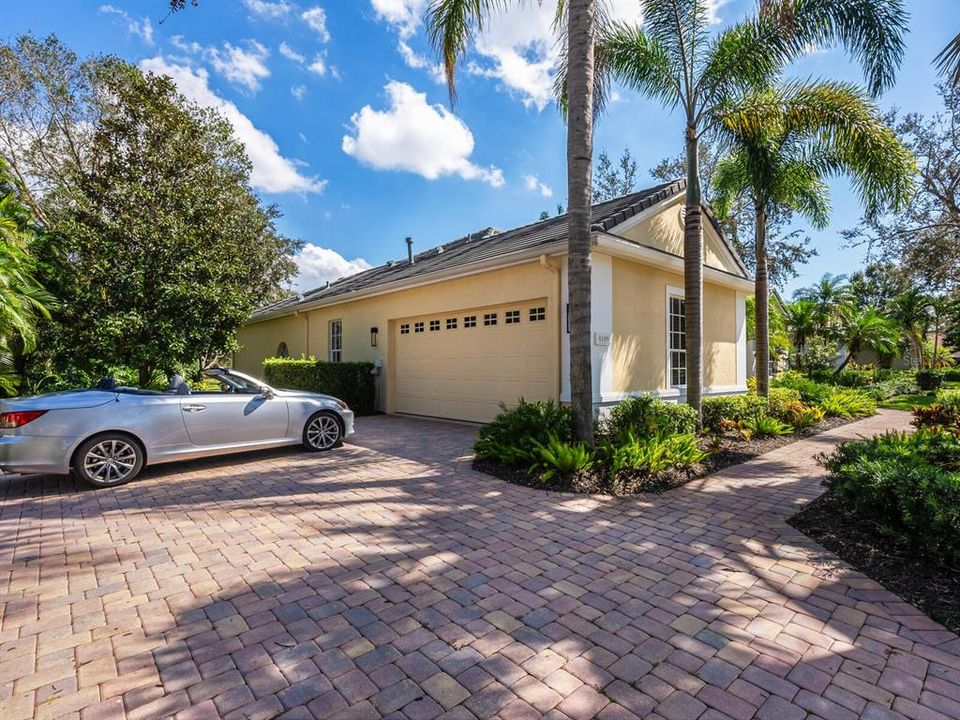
point(581, 15)
point(693, 274)
point(761, 291)
point(846, 360)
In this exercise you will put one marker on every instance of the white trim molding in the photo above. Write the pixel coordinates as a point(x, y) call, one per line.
point(601, 322)
point(672, 292)
point(673, 394)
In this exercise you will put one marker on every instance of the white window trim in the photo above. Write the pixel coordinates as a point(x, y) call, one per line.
point(338, 323)
point(672, 292)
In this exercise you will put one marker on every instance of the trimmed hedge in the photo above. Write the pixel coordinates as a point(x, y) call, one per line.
point(352, 382)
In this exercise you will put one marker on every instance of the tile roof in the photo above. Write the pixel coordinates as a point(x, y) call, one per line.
point(482, 245)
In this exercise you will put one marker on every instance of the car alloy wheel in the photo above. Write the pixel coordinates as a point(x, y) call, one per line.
point(322, 432)
point(109, 460)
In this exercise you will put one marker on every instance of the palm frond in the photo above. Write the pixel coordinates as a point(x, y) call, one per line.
point(640, 62)
point(947, 61)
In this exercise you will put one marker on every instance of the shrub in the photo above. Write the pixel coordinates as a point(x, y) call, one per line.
point(513, 434)
point(780, 400)
point(764, 426)
point(810, 390)
point(950, 374)
point(558, 458)
point(907, 486)
point(647, 415)
point(944, 414)
point(352, 382)
point(847, 403)
point(716, 410)
point(802, 416)
point(928, 380)
point(653, 454)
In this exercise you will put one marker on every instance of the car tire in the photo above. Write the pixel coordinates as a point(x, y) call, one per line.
point(108, 460)
point(323, 431)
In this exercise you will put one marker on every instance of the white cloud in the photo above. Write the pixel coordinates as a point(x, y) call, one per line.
point(290, 54)
point(531, 182)
point(416, 137)
point(298, 91)
point(317, 265)
point(404, 15)
point(713, 11)
point(419, 62)
point(318, 66)
point(272, 172)
point(242, 67)
point(141, 28)
point(268, 10)
point(316, 20)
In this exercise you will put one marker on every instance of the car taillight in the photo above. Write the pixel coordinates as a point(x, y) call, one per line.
point(9, 420)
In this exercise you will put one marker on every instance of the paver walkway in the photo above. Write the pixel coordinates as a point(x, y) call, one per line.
point(389, 579)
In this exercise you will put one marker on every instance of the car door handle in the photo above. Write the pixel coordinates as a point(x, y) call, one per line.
point(194, 408)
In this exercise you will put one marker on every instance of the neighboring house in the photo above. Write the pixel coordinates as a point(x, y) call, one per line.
point(481, 320)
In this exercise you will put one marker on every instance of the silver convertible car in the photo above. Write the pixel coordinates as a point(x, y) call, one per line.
point(107, 434)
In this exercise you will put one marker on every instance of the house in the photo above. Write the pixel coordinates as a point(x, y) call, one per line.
point(481, 320)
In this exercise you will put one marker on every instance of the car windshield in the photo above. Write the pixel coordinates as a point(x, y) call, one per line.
point(235, 383)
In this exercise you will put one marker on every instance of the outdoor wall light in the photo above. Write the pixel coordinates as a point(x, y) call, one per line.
point(373, 336)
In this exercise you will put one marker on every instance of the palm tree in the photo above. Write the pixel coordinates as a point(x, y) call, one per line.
point(451, 25)
point(947, 62)
point(828, 294)
point(862, 329)
point(674, 58)
point(800, 317)
point(784, 142)
point(911, 312)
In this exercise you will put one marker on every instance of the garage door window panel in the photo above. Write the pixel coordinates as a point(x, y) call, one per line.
point(489, 319)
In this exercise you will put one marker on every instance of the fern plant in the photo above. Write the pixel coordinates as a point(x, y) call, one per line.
point(654, 454)
point(558, 458)
point(765, 426)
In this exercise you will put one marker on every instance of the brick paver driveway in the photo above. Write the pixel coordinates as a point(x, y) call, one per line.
point(389, 579)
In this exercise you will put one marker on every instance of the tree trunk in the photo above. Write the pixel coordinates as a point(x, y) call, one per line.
point(761, 292)
point(581, 16)
point(145, 376)
point(844, 363)
point(693, 274)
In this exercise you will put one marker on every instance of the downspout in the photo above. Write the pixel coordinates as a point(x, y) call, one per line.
point(546, 264)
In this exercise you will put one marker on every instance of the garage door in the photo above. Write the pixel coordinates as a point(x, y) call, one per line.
point(462, 364)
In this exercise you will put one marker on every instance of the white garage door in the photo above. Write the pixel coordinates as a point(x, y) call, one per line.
point(462, 364)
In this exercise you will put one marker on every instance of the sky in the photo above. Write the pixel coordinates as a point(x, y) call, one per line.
point(345, 114)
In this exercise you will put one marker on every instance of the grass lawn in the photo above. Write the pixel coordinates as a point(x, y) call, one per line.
point(906, 402)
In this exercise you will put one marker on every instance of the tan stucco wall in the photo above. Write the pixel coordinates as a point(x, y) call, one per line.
point(638, 343)
point(529, 281)
point(665, 232)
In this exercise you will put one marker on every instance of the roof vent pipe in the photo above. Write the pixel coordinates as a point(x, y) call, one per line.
point(410, 250)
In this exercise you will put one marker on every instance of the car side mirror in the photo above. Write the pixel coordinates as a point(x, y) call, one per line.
point(266, 393)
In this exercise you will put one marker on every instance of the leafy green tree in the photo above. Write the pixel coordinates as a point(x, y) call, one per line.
point(611, 181)
point(674, 58)
point(23, 301)
point(877, 285)
point(864, 329)
point(154, 241)
point(828, 294)
point(785, 141)
point(911, 312)
point(451, 26)
point(801, 320)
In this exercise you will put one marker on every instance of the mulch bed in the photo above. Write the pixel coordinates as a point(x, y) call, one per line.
point(733, 451)
point(933, 588)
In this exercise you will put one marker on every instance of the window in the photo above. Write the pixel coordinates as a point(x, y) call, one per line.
point(538, 314)
point(405, 329)
point(677, 337)
point(434, 325)
point(418, 327)
point(336, 340)
point(470, 321)
point(451, 323)
point(283, 351)
point(512, 317)
point(489, 318)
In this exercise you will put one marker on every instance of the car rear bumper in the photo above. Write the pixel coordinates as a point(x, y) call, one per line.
point(32, 454)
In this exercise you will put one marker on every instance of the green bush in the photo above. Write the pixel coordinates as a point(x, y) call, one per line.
point(647, 415)
point(847, 403)
point(906, 485)
point(649, 455)
point(780, 400)
point(732, 409)
point(811, 392)
point(929, 380)
point(944, 414)
point(764, 426)
point(950, 374)
point(514, 433)
point(352, 382)
point(558, 458)
point(802, 416)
